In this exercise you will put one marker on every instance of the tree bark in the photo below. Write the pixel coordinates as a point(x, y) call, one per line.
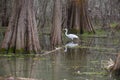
point(78, 17)
point(56, 29)
point(22, 34)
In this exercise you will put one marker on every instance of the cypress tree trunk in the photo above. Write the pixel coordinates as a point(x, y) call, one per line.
point(22, 34)
point(56, 29)
point(78, 17)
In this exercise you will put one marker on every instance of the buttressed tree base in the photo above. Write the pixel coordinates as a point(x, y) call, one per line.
point(21, 34)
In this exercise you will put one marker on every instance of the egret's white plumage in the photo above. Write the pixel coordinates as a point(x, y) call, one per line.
point(71, 36)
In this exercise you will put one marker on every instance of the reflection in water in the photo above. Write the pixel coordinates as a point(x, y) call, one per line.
point(17, 67)
point(73, 64)
point(70, 45)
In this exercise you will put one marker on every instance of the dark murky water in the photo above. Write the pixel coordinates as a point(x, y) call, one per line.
point(75, 61)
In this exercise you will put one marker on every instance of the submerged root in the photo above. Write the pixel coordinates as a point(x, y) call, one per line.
point(109, 65)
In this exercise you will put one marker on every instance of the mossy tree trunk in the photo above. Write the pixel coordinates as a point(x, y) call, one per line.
point(22, 34)
point(78, 17)
point(56, 28)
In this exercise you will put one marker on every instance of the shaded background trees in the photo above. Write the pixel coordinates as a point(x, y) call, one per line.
point(104, 12)
point(74, 14)
point(100, 12)
point(5, 7)
point(97, 9)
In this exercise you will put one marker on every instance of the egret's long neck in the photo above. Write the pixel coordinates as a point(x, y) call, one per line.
point(66, 31)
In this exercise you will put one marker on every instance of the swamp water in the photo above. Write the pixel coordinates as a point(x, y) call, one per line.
point(84, 61)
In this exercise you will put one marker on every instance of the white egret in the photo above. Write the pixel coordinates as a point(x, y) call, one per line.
point(71, 36)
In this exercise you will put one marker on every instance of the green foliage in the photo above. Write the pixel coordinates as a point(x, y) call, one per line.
point(12, 50)
point(3, 50)
point(87, 34)
point(114, 24)
point(17, 55)
point(99, 33)
point(3, 29)
point(20, 51)
point(96, 47)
